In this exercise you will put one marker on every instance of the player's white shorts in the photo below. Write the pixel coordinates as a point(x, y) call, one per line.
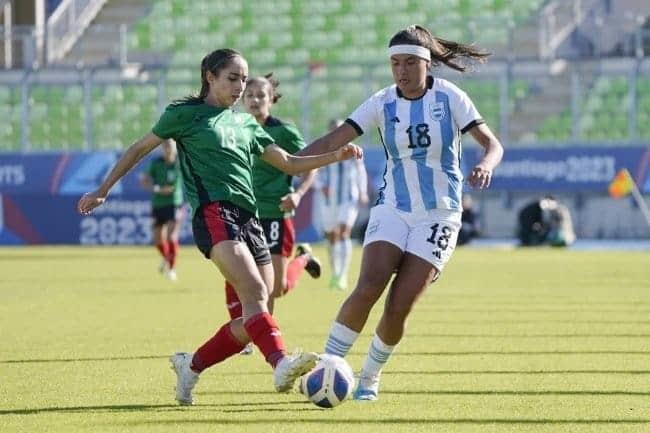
point(336, 215)
point(430, 235)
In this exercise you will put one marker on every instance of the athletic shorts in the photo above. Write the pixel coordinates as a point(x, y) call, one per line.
point(280, 235)
point(429, 235)
point(224, 221)
point(164, 214)
point(336, 215)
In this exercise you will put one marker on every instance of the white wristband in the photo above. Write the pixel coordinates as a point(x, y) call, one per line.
point(156, 188)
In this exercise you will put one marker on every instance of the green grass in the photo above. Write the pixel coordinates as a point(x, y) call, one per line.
point(536, 340)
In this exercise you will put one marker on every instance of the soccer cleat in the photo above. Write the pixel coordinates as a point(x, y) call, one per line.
point(342, 283)
point(303, 249)
point(163, 267)
point(290, 368)
point(368, 388)
point(247, 350)
point(338, 283)
point(185, 378)
point(312, 267)
point(171, 275)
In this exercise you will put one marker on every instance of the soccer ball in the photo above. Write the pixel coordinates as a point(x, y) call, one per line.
point(329, 383)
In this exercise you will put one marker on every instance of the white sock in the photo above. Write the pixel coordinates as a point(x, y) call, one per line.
point(340, 340)
point(337, 253)
point(378, 355)
point(346, 255)
point(332, 256)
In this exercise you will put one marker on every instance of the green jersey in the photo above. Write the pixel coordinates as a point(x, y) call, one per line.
point(271, 184)
point(162, 174)
point(216, 146)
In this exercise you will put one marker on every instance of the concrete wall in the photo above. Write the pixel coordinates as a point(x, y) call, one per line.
point(594, 215)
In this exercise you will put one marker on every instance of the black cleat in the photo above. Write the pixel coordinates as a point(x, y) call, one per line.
point(312, 267)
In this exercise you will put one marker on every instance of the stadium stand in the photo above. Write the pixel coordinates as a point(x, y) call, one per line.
point(11, 113)
point(315, 48)
point(589, 87)
point(321, 32)
point(605, 114)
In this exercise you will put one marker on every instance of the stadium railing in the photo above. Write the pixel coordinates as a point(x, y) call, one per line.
point(67, 23)
point(108, 108)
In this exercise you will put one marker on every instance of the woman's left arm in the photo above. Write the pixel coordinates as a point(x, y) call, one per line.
point(292, 200)
point(481, 174)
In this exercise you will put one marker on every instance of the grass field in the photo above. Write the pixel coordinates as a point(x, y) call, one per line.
point(538, 340)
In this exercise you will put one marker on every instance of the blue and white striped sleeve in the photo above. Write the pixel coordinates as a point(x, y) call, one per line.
point(365, 117)
point(464, 112)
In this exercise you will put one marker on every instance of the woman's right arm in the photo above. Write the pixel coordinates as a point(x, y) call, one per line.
point(127, 161)
point(331, 141)
point(294, 165)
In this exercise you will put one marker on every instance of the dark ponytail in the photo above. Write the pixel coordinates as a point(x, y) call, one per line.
point(213, 62)
point(442, 50)
point(270, 82)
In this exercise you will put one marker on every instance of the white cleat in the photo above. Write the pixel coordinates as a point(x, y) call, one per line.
point(247, 350)
point(185, 378)
point(290, 368)
point(163, 267)
point(171, 275)
point(368, 388)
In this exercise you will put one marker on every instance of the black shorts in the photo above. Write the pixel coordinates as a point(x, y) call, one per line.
point(280, 235)
point(163, 215)
point(224, 221)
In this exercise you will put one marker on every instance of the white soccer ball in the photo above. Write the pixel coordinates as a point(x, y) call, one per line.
point(329, 383)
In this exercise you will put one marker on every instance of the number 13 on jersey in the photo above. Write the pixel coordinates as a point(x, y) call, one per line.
point(228, 137)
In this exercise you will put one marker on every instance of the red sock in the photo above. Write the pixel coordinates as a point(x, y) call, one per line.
point(232, 302)
point(221, 346)
point(173, 251)
point(265, 333)
point(295, 268)
point(163, 247)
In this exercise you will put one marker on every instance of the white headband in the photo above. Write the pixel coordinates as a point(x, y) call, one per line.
point(416, 50)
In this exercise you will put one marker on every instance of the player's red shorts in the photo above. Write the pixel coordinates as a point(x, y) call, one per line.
point(222, 220)
point(280, 235)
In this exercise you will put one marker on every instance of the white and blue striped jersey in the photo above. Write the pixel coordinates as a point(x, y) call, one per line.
point(345, 181)
point(421, 138)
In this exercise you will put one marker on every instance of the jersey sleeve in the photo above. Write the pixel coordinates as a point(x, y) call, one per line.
point(464, 112)
point(366, 116)
point(293, 141)
point(260, 138)
point(169, 124)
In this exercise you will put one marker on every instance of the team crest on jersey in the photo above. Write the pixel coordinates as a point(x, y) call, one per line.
point(437, 111)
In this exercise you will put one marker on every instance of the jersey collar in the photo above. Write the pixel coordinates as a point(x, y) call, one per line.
point(429, 86)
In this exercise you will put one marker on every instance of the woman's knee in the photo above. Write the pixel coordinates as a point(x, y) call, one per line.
point(397, 311)
point(253, 291)
point(374, 278)
point(368, 291)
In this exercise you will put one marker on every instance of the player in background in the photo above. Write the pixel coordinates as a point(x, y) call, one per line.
point(344, 187)
point(413, 227)
point(275, 196)
point(163, 179)
point(215, 147)
point(470, 222)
